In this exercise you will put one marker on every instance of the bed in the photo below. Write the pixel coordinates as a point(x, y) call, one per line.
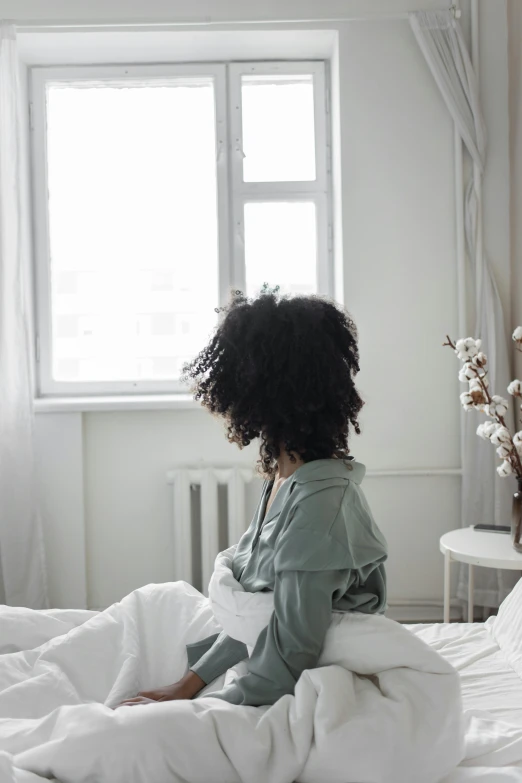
point(488, 658)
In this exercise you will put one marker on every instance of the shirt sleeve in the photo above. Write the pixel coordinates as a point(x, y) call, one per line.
point(224, 653)
point(291, 642)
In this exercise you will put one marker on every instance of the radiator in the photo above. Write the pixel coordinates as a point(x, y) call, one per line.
point(202, 484)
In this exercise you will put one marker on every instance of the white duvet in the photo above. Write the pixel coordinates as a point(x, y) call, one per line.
point(382, 707)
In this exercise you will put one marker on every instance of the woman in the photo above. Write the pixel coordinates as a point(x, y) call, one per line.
point(378, 704)
point(281, 369)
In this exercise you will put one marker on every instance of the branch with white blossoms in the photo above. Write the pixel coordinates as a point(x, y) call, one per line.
point(478, 397)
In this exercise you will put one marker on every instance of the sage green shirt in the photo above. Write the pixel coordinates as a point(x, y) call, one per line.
point(318, 550)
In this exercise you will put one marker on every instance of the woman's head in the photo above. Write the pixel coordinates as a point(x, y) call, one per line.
point(281, 369)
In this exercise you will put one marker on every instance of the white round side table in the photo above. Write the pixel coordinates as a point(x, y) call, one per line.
point(476, 548)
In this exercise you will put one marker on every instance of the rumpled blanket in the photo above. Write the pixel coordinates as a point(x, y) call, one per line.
point(382, 707)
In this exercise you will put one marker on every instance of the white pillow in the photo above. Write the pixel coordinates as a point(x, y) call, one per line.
point(506, 627)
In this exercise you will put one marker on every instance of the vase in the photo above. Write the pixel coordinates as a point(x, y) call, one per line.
point(516, 519)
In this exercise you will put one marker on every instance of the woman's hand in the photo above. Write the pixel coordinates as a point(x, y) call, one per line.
point(186, 688)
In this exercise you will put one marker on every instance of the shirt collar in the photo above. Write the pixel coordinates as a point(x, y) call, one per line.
point(321, 469)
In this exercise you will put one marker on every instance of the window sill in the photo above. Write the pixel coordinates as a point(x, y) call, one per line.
point(138, 402)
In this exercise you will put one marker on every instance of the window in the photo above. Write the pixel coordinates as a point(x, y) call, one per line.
point(158, 189)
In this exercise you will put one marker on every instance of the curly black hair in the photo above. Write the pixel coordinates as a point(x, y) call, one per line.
point(281, 368)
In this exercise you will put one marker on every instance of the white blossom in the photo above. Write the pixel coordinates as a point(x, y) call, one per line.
point(477, 393)
point(480, 360)
point(467, 373)
point(501, 436)
point(503, 451)
point(505, 469)
point(517, 441)
point(467, 348)
point(515, 388)
point(481, 431)
point(467, 401)
point(497, 407)
point(490, 427)
point(517, 334)
point(487, 429)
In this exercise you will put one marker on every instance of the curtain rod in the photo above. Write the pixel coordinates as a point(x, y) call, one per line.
point(37, 26)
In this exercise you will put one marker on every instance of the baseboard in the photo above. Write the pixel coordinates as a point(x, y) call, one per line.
point(404, 611)
point(410, 611)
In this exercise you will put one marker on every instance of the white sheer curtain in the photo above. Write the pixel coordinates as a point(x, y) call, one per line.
point(485, 496)
point(22, 574)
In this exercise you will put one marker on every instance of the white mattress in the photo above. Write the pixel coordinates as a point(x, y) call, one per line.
point(492, 701)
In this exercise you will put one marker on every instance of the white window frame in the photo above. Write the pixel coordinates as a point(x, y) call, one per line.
point(317, 190)
point(232, 193)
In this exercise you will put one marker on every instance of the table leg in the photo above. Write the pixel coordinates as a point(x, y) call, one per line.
point(447, 562)
point(471, 588)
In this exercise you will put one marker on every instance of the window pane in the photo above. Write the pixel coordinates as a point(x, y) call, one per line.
point(281, 246)
point(133, 227)
point(278, 128)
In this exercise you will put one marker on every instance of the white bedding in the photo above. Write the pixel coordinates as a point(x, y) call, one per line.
point(492, 700)
point(117, 652)
point(397, 721)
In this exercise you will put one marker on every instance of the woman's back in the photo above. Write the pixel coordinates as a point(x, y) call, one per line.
point(319, 521)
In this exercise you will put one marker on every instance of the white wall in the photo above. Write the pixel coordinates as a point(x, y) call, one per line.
point(127, 500)
point(201, 11)
point(400, 285)
point(396, 160)
point(60, 461)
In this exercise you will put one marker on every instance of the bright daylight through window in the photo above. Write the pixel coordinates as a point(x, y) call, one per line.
point(155, 195)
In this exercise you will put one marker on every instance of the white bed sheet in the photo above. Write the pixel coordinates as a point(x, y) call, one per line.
point(492, 701)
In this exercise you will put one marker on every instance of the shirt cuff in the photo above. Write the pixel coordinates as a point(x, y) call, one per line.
point(224, 653)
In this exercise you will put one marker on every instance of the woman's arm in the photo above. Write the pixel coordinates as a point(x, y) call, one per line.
point(224, 653)
point(293, 639)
